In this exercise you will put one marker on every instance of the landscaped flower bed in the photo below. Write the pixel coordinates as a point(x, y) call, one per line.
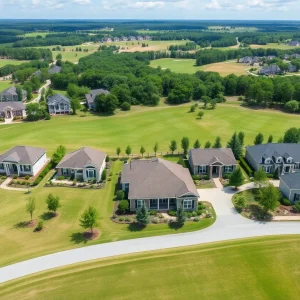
point(82, 185)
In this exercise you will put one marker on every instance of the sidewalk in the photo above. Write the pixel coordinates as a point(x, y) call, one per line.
point(5, 186)
point(217, 183)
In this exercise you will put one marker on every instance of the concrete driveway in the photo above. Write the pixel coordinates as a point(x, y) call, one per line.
point(229, 225)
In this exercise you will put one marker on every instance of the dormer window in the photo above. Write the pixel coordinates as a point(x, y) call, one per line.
point(267, 161)
point(279, 160)
point(289, 160)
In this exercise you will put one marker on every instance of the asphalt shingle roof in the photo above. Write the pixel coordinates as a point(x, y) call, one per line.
point(14, 105)
point(90, 98)
point(157, 178)
point(292, 180)
point(57, 99)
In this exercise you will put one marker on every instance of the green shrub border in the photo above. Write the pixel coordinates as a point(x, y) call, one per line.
point(245, 166)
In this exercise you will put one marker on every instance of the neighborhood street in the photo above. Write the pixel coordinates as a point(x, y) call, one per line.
point(229, 225)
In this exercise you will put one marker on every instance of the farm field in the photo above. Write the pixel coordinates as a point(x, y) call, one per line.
point(281, 46)
point(38, 33)
point(256, 268)
point(4, 85)
point(147, 125)
point(4, 62)
point(188, 66)
point(63, 232)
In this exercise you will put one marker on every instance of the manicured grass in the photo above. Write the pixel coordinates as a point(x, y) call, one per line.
point(260, 268)
point(38, 33)
point(4, 85)
point(64, 232)
point(4, 62)
point(147, 125)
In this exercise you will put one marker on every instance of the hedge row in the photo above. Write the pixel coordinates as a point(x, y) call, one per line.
point(43, 173)
point(245, 166)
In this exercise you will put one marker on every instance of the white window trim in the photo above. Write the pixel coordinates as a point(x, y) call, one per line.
point(187, 204)
point(279, 160)
point(202, 169)
point(267, 161)
point(268, 169)
point(139, 203)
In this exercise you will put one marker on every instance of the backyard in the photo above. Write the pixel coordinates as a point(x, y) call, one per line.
point(257, 268)
point(4, 85)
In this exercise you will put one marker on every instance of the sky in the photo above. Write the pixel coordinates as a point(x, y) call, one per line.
point(151, 9)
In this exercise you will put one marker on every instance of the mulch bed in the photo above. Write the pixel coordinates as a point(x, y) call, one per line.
point(32, 223)
point(92, 235)
point(281, 211)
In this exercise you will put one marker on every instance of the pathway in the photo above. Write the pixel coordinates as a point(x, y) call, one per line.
point(229, 225)
point(37, 99)
point(217, 183)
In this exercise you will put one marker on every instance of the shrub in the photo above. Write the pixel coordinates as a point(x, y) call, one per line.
point(125, 106)
point(15, 176)
point(201, 206)
point(196, 219)
point(23, 182)
point(2, 120)
point(153, 212)
point(120, 195)
point(285, 201)
point(160, 216)
point(3, 177)
point(40, 225)
point(107, 159)
point(127, 219)
point(296, 207)
point(245, 166)
point(47, 116)
point(155, 220)
point(196, 177)
point(103, 176)
point(27, 177)
point(123, 206)
point(172, 213)
point(226, 175)
point(189, 215)
point(114, 216)
point(18, 181)
point(121, 219)
point(194, 214)
point(60, 177)
point(199, 212)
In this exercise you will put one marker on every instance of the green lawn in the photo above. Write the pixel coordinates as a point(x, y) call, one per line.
point(4, 62)
point(259, 268)
point(281, 46)
point(4, 85)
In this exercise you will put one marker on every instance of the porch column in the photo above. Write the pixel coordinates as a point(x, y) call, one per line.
point(210, 171)
point(157, 204)
point(18, 169)
point(168, 203)
point(6, 169)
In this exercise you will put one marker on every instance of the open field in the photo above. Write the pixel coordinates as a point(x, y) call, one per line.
point(259, 268)
point(232, 29)
point(4, 85)
point(63, 232)
point(147, 125)
point(38, 33)
point(274, 46)
point(4, 62)
point(188, 66)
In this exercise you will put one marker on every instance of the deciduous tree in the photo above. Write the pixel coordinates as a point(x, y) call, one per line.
point(173, 146)
point(89, 218)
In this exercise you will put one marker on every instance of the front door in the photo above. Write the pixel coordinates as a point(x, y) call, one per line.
point(215, 170)
point(8, 114)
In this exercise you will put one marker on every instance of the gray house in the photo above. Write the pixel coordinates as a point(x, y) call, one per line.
point(270, 70)
point(159, 185)
point(58, 105)
point(270, 157)
point(290, 186)
point(9, 110)
point(84, 164)
point(11, 94)
point(90, 98)
point(54, 70)
point(293, 43)
point(214, 162)
point(22, 161)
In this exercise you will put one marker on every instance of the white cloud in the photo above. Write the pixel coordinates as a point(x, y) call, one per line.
point(82, 2)
point(146, 4)
point(214, 4)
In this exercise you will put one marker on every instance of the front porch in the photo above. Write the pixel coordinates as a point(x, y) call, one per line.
point(163, 204)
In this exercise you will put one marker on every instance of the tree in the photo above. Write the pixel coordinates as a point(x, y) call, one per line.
point(200, 114)
point(89, 218)
point(53, 203)
point(173, 146)
point(142, 215)
point(269, 197)
point(30, 206)
point(259, 139)
point(241, 136)
point(207, 145)
point(142, 150)
point(75, 104)
point(235, 145)
point(120, 195)
point(206, 100)
point(270, 139)
point(197, 144)
point(155, 148)
point(123, 206)
point(217, 143)
point(58, 154)
point(185, 143)
point(118, 151)
point(128, 150)
point(19, 93)
point(59, 56)
point(213, 103)
point(260, 178)
point(236, 178)
point(180, 217)
point(292, 135)
point(292, 106)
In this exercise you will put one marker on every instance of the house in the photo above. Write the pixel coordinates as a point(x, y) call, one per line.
point(270, 70)
point(11, 94)
point(37, 73)
point(9, 110)
point(250, 60)
point(271, 157)
point(83, 164)
point(124, 39)
point(148, 38)
point(292, 68)
point(214, 162)
point(107, 40)
point(54, 70)
point(90, 98)
point(139, 38)
point(159, 185)
point(22, 161)
point(58, 105)
point(290, 186)
point(295, 55)
point(270, 57)
point(293, 43)
point(132, 38)
point(116, 39)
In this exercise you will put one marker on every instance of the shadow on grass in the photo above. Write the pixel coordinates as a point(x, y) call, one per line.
point(175, 225)
point(136, 227)
point(23, 224)
point(47, 216)
point(78, 238)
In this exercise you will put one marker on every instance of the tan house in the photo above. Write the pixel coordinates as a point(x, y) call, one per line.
point(159, 185)
point(84, 164)
point(9, 110)
point(213, 162)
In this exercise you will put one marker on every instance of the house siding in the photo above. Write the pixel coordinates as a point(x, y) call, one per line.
point(39, 165)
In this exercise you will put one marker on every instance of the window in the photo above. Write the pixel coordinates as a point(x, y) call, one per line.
point(297, 197)
point(1, 166)
point(188, 204)
point(139, 203)
point(65, 172)
point(289, 160)
point(228, 169)
point(279, 160)
point(26, 168)
point(267, 161)
point(296, 166)
point(163, 203)
point(202, 169)
point(268, 169)
point(91, 173)
point(153, 203)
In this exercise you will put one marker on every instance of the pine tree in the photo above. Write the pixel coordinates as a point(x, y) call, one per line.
point(237, 178)
point(207, 145)
point(155, 148)
point(217, 143)
point(142, 215)
point(241, 137)
point(197, 144)
point(235, 145)
point(180, 217)
point(259, 139)
point(173, 146)
point(270, 139)
point(185, 143)
point(142, 150)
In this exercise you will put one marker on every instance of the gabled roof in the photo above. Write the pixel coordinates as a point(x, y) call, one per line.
point(267, 150)
point(81, 158)
point(210, 156)
point(291, 180)
point(272, 69)
point(54, 69)
point(12, 91)
point(90, 98)
point(58, 98)
point(157, 178)
point(13, 104)
point(23, 154)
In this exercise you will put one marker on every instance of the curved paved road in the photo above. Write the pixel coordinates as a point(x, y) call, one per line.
point(229, 225)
